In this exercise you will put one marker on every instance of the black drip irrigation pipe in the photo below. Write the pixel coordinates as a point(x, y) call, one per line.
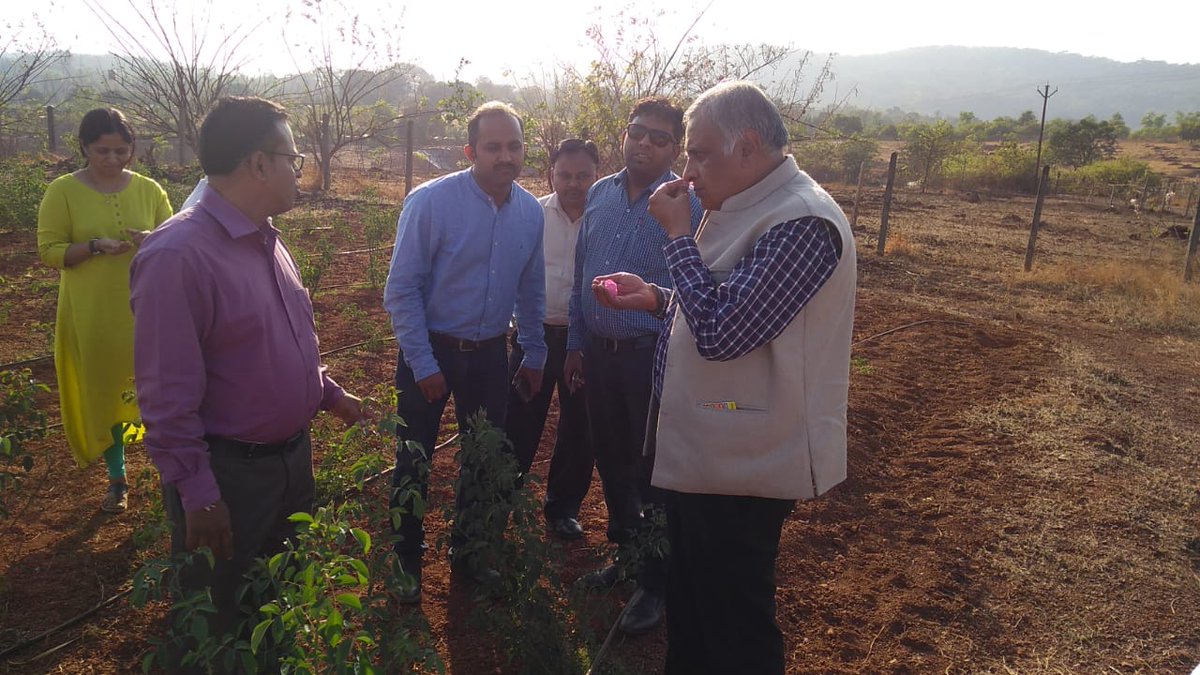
point(905, 326)
point(14, 364)
point(367, 481)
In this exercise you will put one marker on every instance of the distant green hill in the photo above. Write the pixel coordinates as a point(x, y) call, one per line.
point(992, 82)
point(987, 81)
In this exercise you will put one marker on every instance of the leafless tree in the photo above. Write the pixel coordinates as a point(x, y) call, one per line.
point(552, 100)
point(633, 60)
point(348, 66)
point(26, 51)
point(173, 67)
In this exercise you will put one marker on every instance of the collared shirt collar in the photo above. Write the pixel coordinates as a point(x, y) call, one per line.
point(622, 176)
point(235, 223)
point(480, 191)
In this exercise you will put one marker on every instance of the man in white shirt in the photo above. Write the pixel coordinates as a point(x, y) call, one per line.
point(574, 165)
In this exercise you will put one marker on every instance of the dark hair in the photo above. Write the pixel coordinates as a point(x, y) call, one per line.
point(571, 146)
point(574, 145)
point(490, 108)
point(236, 127)
point(102, 121)
point(660, 106)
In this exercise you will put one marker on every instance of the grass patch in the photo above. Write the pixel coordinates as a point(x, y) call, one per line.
point(1125, 293)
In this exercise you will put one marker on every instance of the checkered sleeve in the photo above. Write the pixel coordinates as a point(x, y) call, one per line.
point(765, 291)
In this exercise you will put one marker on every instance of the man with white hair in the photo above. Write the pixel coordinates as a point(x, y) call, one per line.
point(751, 373)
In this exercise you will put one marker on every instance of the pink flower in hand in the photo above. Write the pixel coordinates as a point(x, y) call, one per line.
point(610, 287)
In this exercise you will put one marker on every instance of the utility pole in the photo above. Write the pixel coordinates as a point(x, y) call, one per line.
point(1046, 94)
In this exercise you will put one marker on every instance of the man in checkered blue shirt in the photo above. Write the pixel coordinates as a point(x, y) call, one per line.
point(614, 351)
point(751, 375)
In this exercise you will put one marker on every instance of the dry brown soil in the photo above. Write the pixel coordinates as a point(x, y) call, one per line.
point(1023, 492)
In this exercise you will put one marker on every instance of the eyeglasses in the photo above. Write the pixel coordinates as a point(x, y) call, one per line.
point(660, 139)
point(297, 160)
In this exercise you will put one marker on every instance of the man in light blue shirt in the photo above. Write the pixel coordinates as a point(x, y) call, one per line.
point(468, 257)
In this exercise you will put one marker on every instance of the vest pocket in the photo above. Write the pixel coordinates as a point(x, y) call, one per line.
point(731, 406)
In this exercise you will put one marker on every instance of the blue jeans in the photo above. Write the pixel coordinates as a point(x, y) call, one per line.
point(478, 380)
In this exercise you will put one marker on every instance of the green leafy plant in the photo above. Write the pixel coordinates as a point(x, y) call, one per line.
point(22, 184)
point(379, 225)
point(861, 366)
point(313, 265)
point(154, 526)
point(21, 421)
point(535, 617)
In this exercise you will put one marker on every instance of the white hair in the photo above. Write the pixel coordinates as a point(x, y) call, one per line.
point(736, 107)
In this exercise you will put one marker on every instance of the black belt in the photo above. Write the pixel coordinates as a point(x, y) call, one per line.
point(557, 330)
point(250, 449)
point(614, 346)
point(460, 345)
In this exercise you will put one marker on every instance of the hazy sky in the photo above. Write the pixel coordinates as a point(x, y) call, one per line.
point(525, 37)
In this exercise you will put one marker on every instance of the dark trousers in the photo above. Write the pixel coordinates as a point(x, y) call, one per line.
point(721, 584)
point(261, 493)
point(618, 402)
point(478, 380)
point(571, 463)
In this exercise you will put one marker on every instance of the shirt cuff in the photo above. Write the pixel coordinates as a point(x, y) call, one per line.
point(332, 391)
point(198, 490)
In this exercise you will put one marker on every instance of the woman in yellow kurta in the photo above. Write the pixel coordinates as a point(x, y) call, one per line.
point(89, 224)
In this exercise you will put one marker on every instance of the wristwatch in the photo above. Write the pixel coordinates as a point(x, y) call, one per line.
point(92, 246)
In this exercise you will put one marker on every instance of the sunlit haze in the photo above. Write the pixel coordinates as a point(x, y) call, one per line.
point(509, 41)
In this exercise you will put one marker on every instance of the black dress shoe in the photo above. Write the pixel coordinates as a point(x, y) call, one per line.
point(605, 577)
point(644, 612)
point(566, 528)
point(409, 594)
point(477, 573)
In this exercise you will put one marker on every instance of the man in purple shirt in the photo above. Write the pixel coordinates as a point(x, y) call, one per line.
point(226, 360)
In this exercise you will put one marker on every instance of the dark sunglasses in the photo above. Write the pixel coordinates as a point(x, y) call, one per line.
point(660, 139)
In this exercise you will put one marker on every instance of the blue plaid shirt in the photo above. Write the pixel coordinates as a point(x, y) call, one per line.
point(618, 236)
point(767, 289)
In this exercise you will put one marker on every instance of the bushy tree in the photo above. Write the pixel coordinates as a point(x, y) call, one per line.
point(847, 125)
point(1189, 125)
point(853, 154)
point(926, 148)
point(1080, 143)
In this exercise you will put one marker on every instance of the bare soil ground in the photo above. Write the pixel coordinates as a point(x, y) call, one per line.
point(1024, 491)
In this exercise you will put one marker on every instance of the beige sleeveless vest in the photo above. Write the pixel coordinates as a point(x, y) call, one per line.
point(771, 423)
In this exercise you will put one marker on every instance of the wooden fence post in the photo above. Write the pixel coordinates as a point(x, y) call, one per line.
point(1193, 241)
point(1037, 216)
point(408, 157)
point(51, 135)
point(857, 195)
point(887, 203)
